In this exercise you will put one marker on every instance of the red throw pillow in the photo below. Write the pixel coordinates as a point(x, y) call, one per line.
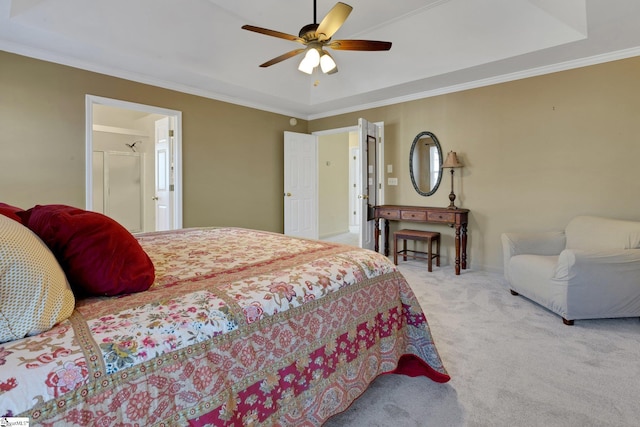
point(10, 212)
point(98, 255)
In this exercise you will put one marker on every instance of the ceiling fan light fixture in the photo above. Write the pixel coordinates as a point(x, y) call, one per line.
point(315, 37)
point(313, 57)
point(327, 64)
point(306, 67)
point(310, 61)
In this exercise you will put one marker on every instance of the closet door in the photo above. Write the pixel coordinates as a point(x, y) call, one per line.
point(124, 198)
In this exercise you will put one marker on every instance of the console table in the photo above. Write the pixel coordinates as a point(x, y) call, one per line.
point(457, 218)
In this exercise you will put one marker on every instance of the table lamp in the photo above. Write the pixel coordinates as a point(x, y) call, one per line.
point(452, 162)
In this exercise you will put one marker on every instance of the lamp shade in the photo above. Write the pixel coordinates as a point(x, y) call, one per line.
point(306, 66)
point(310, 61)
point(452, 161)
point(327, 64)
point(313, 57)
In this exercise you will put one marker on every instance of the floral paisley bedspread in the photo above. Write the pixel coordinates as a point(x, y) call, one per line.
point(240, 328)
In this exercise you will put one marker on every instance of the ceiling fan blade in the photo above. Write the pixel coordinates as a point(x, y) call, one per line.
point(333, 21)
point(369, 45)
point(273, 33)
point(282, 57)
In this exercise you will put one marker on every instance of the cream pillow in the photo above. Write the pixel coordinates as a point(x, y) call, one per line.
point(34, 292)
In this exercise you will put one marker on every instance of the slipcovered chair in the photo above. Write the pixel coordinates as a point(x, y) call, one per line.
point(590, 270)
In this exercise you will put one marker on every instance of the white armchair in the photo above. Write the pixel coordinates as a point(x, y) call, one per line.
point(589, 271)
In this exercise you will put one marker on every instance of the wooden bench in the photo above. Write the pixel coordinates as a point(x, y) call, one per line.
point(426, 236)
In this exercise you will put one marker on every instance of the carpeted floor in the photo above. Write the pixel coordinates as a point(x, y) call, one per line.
point(512, 363)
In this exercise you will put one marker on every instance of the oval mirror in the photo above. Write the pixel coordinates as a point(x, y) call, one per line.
point(425, 163)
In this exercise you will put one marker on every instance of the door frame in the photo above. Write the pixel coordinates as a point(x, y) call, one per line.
point(90, 101)
point(354, 206)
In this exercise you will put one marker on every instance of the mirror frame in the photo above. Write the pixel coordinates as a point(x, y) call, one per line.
point(413, 146)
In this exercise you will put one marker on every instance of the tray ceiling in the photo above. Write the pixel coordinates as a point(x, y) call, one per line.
point(197, 46)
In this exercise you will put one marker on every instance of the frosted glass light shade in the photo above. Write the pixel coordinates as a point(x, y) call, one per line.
point(305, 66)
point(310, 61)
point(327, 63)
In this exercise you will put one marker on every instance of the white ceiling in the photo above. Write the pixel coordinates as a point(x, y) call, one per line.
point(439, 46)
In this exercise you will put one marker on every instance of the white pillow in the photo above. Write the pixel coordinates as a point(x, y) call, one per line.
point(34, 292)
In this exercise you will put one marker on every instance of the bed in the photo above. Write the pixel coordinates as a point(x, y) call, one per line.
point(239, 327)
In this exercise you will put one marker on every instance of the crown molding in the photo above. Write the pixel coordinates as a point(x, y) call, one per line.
point(136, 77)
point(533, 72)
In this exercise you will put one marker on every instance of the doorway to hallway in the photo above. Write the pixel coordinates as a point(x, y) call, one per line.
point(134, 164)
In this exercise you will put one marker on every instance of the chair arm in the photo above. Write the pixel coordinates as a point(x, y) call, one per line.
point(541, 243)
point(598, 283)
point(603, 266)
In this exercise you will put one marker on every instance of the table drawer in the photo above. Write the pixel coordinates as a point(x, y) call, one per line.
point(389, 213)
point(448, 217)
point(414, 215)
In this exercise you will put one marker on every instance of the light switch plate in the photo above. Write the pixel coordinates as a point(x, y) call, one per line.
point(389, 168)
point(392, 181)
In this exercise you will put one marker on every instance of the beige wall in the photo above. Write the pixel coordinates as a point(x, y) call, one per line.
point(333, 183)
point(536, 151)
point(233, 155)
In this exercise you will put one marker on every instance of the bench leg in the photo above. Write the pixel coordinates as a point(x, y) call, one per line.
point(438, 252)
point(404, 248)
point(395, 250)
point(429, 255)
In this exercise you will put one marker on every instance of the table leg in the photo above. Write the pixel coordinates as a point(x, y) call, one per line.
point(386, 237)
point(464, 246)
point(376, 234)
point(457, 249)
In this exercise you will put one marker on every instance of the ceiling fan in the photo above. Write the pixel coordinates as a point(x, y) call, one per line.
point(315, 37)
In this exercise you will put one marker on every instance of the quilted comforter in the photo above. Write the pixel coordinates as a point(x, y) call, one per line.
point(241, 327)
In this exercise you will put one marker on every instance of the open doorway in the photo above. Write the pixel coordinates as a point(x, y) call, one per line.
point(338, 203)
point(340, 197)
point(133, 164)
point(301, 180)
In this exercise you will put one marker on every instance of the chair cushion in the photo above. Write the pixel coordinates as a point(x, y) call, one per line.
point(34, 292)
point(590, 232)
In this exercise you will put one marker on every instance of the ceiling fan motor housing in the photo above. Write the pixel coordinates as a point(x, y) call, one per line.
point(308, 32)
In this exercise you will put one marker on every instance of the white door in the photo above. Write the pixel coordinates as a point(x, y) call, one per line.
point(300, 185)
point(368, 181)
point(118, 184)
point(125, 182)
point(162, 195)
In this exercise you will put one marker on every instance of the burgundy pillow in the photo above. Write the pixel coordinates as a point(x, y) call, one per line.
point(98, 255)
point(10, 212)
